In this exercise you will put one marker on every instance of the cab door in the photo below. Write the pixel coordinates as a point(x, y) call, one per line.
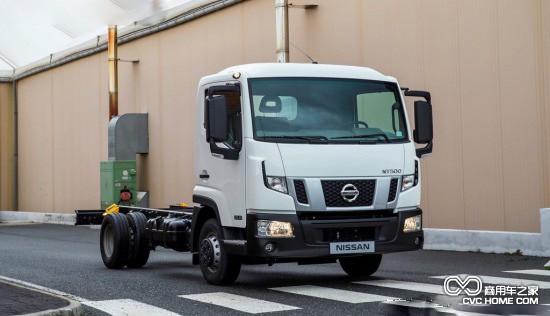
point(220, 162)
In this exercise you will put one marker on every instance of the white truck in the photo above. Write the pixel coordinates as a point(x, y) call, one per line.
point(303, 163)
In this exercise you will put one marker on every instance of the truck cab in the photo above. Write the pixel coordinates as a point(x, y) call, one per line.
point(305, 163)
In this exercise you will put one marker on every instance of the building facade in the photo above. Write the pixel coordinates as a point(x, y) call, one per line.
point(486, 63)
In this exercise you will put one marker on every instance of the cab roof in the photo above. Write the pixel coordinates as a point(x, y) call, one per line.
point(264, 70)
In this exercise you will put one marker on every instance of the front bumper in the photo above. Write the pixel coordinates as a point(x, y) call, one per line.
point(314, 233)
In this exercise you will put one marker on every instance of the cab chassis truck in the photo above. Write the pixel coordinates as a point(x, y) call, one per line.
point(303, 163)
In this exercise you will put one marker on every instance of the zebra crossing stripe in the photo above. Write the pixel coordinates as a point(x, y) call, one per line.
point(127, 307)
point(532, 272)
point(404, 285)
point(507, 281)
point(434, 306)
point(238, 302)
point(333, 294)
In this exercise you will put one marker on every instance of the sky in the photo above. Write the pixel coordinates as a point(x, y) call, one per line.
point(32, 30)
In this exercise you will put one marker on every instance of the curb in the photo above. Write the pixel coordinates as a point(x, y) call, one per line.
point(73, 309)
point(531, 244)
point(37, 217)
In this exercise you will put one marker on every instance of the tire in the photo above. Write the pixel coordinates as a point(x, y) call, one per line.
point(217, 266)
point(139, 249)
point(362, 266)
point(114, 241)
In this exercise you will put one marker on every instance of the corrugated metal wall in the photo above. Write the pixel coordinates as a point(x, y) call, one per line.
point(487, 64)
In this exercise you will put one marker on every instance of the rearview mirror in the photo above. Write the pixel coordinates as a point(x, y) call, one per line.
point(423, 132)
point(216, 128)
point(216, 121)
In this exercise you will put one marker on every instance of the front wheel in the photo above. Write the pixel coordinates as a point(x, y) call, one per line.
point(217, 266)
point(362, 266)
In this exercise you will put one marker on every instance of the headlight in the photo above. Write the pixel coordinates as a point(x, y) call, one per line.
point(277, 184)
point(275, 229)
point(413, 224)
point(407, 182)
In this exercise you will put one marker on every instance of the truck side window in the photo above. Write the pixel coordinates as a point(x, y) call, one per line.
point(234, 120)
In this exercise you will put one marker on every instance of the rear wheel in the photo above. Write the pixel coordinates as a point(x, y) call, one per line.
point(361, 266)
point(139, 243)
point(114, 240)
point(217, 266)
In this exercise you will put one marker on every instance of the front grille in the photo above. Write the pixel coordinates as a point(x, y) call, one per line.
point(393, 190)
point(332, 190)
point(339, 215)
point(348, 234)
point(301, 194)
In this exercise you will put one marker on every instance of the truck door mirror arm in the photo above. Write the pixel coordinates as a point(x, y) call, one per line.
point(423, 121)
point(417, 93)
point(224, 153)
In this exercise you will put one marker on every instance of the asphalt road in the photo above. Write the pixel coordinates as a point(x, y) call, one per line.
point(67, 259)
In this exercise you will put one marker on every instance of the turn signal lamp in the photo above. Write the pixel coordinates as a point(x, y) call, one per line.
point(407, 182)
point(277, 184)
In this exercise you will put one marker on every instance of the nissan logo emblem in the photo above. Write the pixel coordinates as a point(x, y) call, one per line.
point(349, 193)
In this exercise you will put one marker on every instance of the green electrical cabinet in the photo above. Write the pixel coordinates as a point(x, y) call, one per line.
point(118, 183)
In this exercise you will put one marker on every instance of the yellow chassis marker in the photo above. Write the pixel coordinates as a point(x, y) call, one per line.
point(111, 209)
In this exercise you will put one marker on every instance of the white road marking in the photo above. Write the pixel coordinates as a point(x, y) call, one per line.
point(532, 272)
point(127, 307)
point(42, 288)
point(404, 285)
point(333, 294)
point(240, 303)
point(434, 306)
point(507, 281)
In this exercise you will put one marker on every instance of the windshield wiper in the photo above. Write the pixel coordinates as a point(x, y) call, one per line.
point(316, 137)
point(365, 136)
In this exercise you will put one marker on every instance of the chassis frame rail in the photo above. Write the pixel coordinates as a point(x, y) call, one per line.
point(95, 217)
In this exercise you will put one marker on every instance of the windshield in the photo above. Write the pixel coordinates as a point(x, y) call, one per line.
point(326, 110)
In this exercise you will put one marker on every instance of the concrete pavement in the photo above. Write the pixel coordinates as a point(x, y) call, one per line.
point(67, 259)
point(16, 299)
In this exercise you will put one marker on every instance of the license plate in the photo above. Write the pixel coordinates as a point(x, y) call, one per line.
point(351, 247)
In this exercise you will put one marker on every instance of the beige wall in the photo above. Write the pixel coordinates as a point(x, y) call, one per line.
point(64, 111)
point(6, 147)
point(485, 62)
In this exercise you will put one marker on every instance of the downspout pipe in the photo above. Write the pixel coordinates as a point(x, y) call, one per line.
point(112, 52)
point(281, 28)
point(15, 148)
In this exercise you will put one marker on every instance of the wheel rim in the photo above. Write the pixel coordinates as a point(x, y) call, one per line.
point(108, 240)
point(210, 253)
